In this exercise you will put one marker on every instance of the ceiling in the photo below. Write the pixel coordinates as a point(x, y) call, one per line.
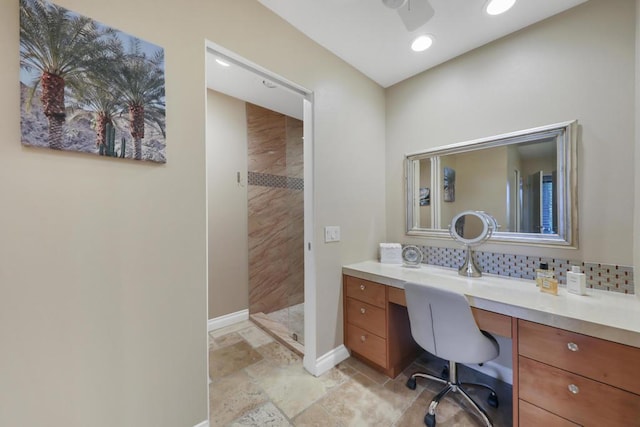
point(237, 81)
point(373, 39)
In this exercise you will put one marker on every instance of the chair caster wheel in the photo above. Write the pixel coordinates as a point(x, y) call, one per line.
point(492, 400)
point(411, 383)
point(445, 372)
point(430, 420)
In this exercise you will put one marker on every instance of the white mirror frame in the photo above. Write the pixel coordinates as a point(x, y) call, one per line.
point(565, 134)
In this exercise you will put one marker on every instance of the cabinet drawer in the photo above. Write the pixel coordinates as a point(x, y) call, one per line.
point(364, 290)
point(367, 345)
point(591, 403)
point(366, 316)
point(601, 360)
point(532, 416)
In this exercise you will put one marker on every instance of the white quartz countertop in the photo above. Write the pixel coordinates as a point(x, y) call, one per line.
point(609, 315)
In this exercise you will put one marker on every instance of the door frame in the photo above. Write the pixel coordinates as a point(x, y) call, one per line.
point(306, 97)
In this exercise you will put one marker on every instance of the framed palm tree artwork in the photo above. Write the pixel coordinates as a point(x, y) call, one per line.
point(87, 87)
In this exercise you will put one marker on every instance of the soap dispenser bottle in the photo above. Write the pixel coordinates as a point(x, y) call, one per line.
point(576, 281)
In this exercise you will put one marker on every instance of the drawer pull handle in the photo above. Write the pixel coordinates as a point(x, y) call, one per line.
point(572, 346)
point(363, 338)
point(574, 389)
point(362, 287)
point(362, 310)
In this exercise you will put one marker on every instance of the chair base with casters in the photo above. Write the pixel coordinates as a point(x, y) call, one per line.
point(455, 386)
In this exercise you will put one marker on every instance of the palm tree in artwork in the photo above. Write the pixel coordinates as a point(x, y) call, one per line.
point(139, 81)
point(100, 103)
point(60, 46)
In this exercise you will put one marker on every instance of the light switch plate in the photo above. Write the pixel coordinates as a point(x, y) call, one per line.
point(331, 233)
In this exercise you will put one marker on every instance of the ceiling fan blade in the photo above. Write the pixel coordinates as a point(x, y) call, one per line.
point(415, 13)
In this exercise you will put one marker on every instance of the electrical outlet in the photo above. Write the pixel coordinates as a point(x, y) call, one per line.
point(331, 233)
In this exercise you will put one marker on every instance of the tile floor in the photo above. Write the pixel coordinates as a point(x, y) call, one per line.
point(256, 381)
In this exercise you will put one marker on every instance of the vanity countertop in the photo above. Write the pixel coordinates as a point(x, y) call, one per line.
point(608, 315)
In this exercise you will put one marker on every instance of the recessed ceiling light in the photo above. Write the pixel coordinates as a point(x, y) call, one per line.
point(421, 43)
point(221, 62)
point(496, 7)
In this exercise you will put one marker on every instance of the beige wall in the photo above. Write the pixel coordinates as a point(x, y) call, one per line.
point(577, 65)
point(123, 343)
point(227, 204)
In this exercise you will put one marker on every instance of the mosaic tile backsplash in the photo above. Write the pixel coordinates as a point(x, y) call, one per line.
point(275, 181)
point(608, 277)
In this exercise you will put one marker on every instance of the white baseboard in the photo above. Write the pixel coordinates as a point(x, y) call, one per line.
point(495, 370)
point(330, 359)
point(227, 320)
point(205, 423)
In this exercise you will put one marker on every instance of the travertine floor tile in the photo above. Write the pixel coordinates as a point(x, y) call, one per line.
point(227, 360)
point(265, 416)
point(448, 414)
point(290, 387)
point(361, 402)
point(231, 328)
point(279, 354)
point(362, 368)
point(254, 336)
point(233, 396)
point(316, 416)
point(228, 339)
point(268, 386)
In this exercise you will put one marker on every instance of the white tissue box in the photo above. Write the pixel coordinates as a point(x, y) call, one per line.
point(390, 253)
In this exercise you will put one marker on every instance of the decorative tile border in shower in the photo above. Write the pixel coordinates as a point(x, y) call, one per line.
point(608, 277)
point(275, 181)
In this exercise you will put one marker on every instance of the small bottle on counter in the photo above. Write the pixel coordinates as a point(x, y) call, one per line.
point(542, 273)
point(576, 281)
point(546, 280)
point(549, 285)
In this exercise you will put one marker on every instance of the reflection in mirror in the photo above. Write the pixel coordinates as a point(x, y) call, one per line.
point(526, 180)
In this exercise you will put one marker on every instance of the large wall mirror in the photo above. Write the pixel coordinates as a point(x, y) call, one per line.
point(526, 180)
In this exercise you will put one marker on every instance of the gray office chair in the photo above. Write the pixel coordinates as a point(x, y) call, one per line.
point(442, 324)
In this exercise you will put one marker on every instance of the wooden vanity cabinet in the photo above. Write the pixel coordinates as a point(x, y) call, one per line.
point(376, 326)
point(565, 378)
point(560, 378)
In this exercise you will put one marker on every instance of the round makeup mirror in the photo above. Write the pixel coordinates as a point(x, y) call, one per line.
point(471, 228)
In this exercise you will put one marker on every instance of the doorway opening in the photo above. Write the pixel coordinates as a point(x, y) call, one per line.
point(276, 177)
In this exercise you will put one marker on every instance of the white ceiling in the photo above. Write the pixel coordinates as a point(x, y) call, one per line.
point(372, 38)
point(238, 82)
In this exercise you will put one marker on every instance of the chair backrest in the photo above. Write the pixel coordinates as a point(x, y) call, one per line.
point(442, 323)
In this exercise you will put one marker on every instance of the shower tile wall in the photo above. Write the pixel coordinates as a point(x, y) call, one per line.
point(276, 210)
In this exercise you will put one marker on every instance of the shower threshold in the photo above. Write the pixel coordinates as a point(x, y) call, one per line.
point(278, 331)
